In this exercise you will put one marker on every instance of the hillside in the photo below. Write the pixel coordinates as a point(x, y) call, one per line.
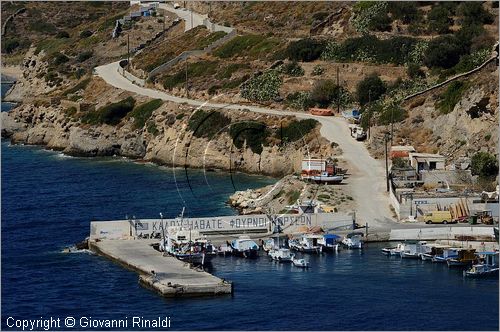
point(366, 55)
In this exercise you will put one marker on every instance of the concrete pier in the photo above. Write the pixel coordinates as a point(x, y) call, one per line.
point(172, 277)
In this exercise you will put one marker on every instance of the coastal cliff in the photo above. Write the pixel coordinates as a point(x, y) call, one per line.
point(172, 134)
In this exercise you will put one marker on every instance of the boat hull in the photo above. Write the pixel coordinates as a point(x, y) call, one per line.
point(248, 253)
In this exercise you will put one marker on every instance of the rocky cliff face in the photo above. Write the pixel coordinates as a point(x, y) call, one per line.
point(470, 127)
point(172, 143)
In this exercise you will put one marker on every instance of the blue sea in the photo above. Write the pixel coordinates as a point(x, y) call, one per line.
point(49, 199)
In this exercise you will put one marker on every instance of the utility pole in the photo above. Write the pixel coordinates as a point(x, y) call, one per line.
point(191, 19)
point(128, 51)
point(386, 139)
point(369, 113)
point(392, 123)
point(187, 90)
point(338, 92)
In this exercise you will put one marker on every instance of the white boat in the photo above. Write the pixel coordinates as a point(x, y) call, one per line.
point(413, 250)
point(487, 268)
point(187, 245)
point(431, 250)
point(393, 251)
point(329, 242)
point(281, 255)
point(446, 254)
point(324, 177)
point(269, 245)
point(300, 262)
point(353, 240)
point(245, 247)
point(307, 243)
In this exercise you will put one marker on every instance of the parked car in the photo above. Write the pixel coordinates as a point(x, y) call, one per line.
point(437, 217)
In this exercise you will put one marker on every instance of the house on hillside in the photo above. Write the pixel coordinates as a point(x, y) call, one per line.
point(426, 161)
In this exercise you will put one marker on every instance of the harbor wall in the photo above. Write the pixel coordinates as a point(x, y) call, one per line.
point(442, 233)
point(226, 225)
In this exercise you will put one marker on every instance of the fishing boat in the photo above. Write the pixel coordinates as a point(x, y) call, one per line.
point(307, 243)
point(187, 245)
point(245, 247)
point(269, 245)
point(300, 262)
point(353, 240)
point(225, 250)
point(393, 251)
point(414, 250)
point(446, 254)
point(487, 267)
point(329, 242)
point(387, 250)
point(466, 257)
point(324, 177)
point(431, 250)
point(281, 255)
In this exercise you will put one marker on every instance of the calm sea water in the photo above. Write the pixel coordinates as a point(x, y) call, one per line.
point(48, 201)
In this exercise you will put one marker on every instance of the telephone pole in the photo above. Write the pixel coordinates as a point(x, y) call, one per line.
point(338, 92)
point(187, 90)
point(128, 51)
point(386, 139)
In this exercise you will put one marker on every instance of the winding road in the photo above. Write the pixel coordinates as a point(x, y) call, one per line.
point(367, 175)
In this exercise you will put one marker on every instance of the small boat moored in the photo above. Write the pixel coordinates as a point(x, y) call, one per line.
point(329, 242)
point(308, 243)
point(245, 247)
point(487, 267)
point(300, 262)
point(353, 240)
point(281, 255)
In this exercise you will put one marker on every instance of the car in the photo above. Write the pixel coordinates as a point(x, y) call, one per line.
point(437, 217)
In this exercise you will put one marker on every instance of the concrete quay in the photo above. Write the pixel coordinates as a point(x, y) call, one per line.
point(172, 278)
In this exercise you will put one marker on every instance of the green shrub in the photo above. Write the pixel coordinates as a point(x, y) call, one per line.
point(143, 112)
point(369, 48)
point(443, 52)
point(405, 11)
point(365, 12)
point(484, 164)
point(42, 27)
point(293, 69)
point(381, 22)
point(323, 197)
point(296, 130)
point(371, 88)
point(79, 86)
point(85, 34)
point(390, 114)
point(180, 116)
point(293, 196)
point(152, 129)
point(253, 133)
point(59, 59)
point(85, 55)
point(399, 162)
point(9, 45)
point(487, 137)
point(238, 45)
point(326, 92)
point(414, 71)
point(451, 96)
point(209, 39)
point(110, 114)
point(472, 12)
point(264, 87)
point(318, 70)
point(207, 124)
point(305, 50)
point(299, 100)
point(439, 19)
point(62, 34)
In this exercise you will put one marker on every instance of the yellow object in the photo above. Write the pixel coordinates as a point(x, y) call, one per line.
point(436, 217)
point(328, 208)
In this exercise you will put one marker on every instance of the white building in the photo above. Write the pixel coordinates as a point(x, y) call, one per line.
point(426, 161)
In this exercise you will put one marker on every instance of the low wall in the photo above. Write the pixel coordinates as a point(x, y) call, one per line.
point(227, 225)
point(186, 54)
point(136, 80)
point(441, 233)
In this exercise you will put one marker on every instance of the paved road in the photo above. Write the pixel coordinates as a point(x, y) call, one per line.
point(192, 19)
point(367, 179)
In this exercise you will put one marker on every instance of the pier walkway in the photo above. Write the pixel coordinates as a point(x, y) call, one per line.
point(172, 277)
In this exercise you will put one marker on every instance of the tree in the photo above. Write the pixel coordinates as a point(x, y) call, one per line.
point(484, 164)
point(439, 19)
point(443, 52)
point(305, 50)
point(326, 93)
point(371, 88)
